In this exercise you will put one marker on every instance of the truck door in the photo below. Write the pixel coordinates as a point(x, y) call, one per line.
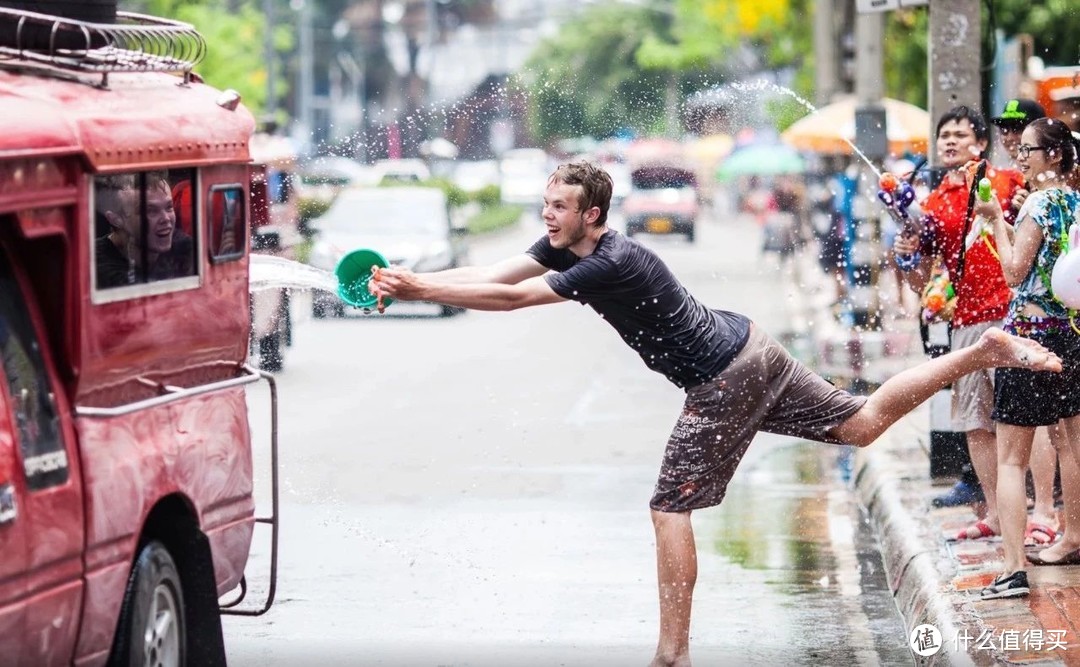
point(13, 545)
point(48, 499)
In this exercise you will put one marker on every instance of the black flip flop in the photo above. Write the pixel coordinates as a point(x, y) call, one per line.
point(1071, 558)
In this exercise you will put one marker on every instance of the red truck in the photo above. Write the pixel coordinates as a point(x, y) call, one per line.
point(126, 482)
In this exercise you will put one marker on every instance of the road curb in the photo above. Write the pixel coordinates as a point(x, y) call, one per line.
point(910, 550)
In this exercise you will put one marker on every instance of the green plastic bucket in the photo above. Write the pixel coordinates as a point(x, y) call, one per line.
point(353, 272)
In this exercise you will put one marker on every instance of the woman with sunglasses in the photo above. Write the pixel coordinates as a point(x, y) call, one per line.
point(1025, 400)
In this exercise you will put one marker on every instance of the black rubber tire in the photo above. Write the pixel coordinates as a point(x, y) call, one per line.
point(154, 577)
point(450, 311)
point(270, 357)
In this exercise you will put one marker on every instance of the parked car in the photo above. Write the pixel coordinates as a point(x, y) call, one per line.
point(409, 225)
point(322, 178)
point(523, 174)
point(406, 170)
point(473, 175)
point(663, 199)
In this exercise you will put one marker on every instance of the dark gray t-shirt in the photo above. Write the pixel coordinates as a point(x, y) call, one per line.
point(631, 288)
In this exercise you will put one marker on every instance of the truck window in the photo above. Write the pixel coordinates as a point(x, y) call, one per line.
point(144, 227)
point(32, 404)
point(228, 231)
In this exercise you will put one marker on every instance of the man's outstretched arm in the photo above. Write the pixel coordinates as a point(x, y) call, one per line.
point(405, 285)
point(509, 271)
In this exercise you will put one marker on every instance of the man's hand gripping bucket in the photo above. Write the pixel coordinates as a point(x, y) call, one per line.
point(353, 272)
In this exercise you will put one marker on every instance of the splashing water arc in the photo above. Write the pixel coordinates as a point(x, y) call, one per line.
point(762, 85)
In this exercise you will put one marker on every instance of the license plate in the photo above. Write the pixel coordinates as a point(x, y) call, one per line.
point(658, 225)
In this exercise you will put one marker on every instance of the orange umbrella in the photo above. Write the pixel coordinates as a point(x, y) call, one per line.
point(829, 129)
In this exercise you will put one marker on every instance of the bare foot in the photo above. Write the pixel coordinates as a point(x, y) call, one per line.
point(679, 661)
point(1008, 351)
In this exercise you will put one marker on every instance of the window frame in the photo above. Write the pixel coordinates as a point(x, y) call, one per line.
point(99, 295)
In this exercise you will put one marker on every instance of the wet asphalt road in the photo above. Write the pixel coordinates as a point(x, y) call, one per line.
point(473, 491)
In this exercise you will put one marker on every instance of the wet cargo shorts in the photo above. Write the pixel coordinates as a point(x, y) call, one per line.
point(763, 389)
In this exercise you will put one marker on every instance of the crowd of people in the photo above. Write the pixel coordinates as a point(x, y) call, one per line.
point(999, 255)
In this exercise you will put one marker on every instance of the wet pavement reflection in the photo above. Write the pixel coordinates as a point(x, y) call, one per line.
point(805, 578)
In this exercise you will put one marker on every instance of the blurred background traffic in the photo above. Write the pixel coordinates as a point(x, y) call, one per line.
point(706, 109)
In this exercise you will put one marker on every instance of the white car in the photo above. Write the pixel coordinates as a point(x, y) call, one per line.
point(410, 226)
point(523, 174)
point(407, 170)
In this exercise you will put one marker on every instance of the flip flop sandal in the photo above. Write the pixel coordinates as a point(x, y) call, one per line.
point(1039, 535)
point(984, 530)
point(1071, 558)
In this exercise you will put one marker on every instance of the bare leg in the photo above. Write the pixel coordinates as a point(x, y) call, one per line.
point(1064, 436)
point(905, 391)
point(1014, 452)
point(676, 571)
point(1043, 466)
point(982, 446)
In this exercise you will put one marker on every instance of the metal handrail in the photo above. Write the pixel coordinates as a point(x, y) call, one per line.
point(171, 394)
point(140, 44)
point(230, 607)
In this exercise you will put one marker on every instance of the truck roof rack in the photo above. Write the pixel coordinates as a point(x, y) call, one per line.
point(135, 43)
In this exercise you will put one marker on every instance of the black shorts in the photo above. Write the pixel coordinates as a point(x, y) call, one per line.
point(1024, 397)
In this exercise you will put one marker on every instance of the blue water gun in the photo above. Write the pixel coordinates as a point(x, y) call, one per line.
point(897, 195)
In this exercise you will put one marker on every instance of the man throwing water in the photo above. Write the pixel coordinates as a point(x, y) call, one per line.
point(737, 379)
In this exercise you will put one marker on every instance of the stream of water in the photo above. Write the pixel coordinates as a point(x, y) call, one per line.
point(266, 272)
point(758, 86)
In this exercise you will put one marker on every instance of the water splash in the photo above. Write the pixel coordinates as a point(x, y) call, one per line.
point(763, 85)
point(266, 272)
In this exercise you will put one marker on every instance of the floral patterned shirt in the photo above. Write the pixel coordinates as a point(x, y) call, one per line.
point(1054, 211)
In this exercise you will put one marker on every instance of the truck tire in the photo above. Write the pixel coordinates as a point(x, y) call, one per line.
point(270, 359)
point(152, 627)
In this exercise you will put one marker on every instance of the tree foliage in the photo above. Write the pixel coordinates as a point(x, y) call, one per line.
point(1053, 24)
point(235, 31)
point(587, 78)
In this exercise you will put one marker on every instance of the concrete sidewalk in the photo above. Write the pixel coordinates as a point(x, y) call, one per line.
point(935, 580)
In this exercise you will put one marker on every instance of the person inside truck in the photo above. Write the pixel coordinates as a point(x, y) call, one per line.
point(139, 248)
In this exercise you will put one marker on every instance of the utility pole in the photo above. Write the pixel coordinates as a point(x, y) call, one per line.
point(826, 58)
point(307, 84)
point(872, 140)
point(955, 59)
point(270, 56)
point(870, 62)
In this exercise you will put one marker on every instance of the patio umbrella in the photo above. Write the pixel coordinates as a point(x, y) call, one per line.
point(829, 129)
point(761, 160)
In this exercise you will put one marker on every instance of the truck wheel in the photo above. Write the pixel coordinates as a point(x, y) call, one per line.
point(270, 352)
point(151, 630)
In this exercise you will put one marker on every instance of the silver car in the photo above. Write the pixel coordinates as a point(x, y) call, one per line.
point(410, 226)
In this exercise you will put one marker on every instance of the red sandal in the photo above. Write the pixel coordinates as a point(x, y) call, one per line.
point(985, 531)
